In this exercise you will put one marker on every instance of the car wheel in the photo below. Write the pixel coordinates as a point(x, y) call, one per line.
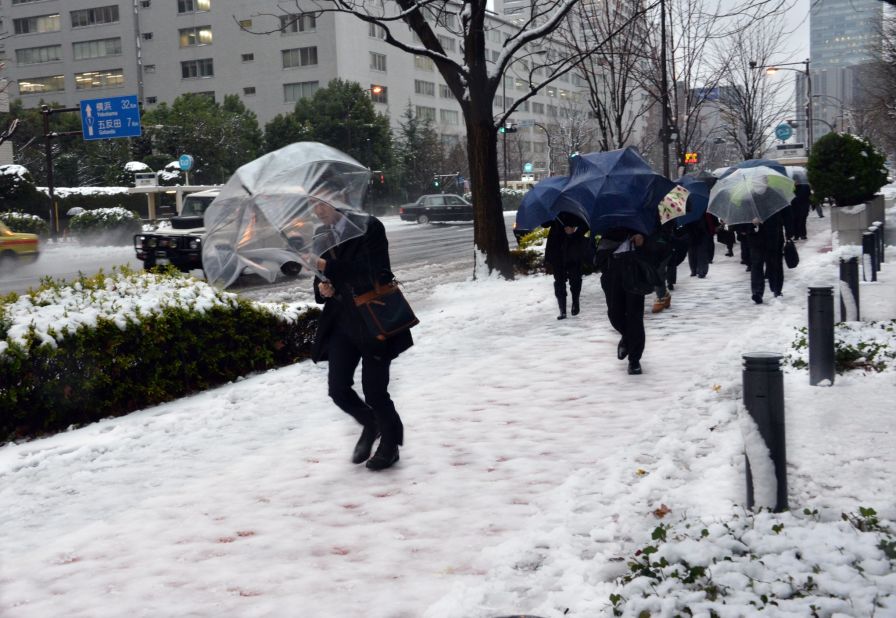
point(8, 260)
point(423, 219)
point(291, 269)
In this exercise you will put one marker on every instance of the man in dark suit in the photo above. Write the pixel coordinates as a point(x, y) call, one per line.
point(353, 266)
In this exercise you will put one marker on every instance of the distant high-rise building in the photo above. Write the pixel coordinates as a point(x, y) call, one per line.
point(844, 35)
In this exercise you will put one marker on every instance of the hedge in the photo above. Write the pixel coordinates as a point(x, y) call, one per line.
point(22, 222)
point(119, 365)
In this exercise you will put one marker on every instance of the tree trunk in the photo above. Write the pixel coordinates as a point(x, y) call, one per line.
point(489, 231)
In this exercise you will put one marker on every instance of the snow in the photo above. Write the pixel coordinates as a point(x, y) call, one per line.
point(136, 166)
point(534, 469)
point(62, 192)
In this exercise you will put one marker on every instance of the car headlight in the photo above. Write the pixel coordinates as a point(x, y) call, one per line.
point(172, 243)
point(139, 241)
point(151, 242)
point(195, 243)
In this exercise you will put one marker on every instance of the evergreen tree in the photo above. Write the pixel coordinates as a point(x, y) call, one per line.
point(418, 154)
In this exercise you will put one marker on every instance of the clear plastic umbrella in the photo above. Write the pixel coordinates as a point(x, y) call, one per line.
point(750, 195)
point(282, 211)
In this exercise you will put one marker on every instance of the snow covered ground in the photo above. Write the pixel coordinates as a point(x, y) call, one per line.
point(534, 468)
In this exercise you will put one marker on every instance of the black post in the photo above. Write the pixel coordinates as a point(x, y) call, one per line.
point(849, 293)
point(821, 334)
point(869, 248)
point(875, 257)
point(881, 245)
point(763, 384)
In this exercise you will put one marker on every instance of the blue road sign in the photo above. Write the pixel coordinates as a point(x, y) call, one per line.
point(110, 118)
point(185, 162)
point(783, 131)
point(527, 168)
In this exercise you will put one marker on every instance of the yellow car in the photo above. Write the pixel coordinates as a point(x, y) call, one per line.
point(16, 248)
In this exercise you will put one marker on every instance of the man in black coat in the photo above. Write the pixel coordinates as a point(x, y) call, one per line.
point(566, 249)
point(353, 267)
point(766, 243)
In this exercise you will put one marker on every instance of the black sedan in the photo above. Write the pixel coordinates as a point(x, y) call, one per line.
point(437, 207)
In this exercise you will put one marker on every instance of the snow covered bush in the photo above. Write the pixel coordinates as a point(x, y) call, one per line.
point(106, 226)
point(23, 222)
point(125, 177)
point(869, 346)
point(18, 193)
point(111, 344)
point(847, 169)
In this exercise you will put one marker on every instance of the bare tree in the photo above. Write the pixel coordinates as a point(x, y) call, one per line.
point(608, 36)
point(474, 80)
point(873, 110)
point(572, 132)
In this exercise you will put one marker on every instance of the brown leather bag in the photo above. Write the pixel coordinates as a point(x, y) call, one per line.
point(385, 311)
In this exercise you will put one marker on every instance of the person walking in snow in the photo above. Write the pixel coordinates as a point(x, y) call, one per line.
point(566, 249)
point(766, 243)
point(625, 308)
point(352, 267)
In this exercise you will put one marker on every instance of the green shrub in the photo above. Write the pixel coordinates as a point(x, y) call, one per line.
point(122, 364)
point(869, 346)
point(111, 226)
point(846, 169)
point(22, 222)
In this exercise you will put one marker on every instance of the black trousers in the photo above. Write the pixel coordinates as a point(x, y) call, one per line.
point(765, 262)
point(377, 406)
point(700, 255)
point(571, 271)
point(625, 310)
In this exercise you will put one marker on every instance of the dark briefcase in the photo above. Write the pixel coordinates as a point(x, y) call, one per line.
point(385, 311)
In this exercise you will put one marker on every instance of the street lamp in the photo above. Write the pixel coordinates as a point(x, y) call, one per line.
point(839, 102)
point(771, 69)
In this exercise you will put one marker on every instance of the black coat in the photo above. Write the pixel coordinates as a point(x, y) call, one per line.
point(353, 268)
point(562, 248)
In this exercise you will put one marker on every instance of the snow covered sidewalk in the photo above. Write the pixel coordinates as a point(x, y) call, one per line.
point(532, 467)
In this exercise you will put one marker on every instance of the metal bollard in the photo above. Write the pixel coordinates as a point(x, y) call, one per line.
point(875, 230)
point(881, 244)
point(821, 335)
point(869, 246)
point(849, 290)
point(764, 399)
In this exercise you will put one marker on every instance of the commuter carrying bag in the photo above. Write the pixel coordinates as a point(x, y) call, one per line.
point(639, 275)
point(791, 257)
point(385, 311)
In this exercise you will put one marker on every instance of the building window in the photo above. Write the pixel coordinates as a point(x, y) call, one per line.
point(95, 17)
point(39, 55)
point(39, 23)
point(424, 63)
point(299, 57)
point(376, 31)
point(146, 3)
point(552, 111)
point(447, 42)
point(426, 113)
point(446, 20)
point(298, 22)
point(149, 68)
point(551, 92)
point(449, 116)
point(524, 106)
point(113, 78)
point(197, 68)
point(248, 57)
point(15, 2)
point(445, 92)
point(249, 90)
point(40, 85)
point(194, 37)
point(382, 96)
point(151, 100)
point(301, 90)
point(537, 108)
point(378, 62)
point(98, 48)
point(147, 36)
point(192, 6)
point(422, 87)
point(495, 55)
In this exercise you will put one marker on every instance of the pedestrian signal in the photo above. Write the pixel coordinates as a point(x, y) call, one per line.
point(691, 158)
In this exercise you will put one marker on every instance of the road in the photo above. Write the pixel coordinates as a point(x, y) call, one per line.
point(422, 255)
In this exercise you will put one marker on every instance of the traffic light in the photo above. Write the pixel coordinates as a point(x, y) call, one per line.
point(382, 179)
point(691, 158)
point(508, 127)
point(436, 183)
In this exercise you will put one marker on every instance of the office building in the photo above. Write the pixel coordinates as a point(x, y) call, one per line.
point(64, 51)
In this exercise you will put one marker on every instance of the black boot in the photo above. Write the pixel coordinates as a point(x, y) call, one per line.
point(634, 368)
point(385, 457)
point(365, 444)
point(562, 303)
point(621, 350)
point(575, 305)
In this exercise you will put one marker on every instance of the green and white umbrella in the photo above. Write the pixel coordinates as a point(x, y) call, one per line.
point(750, 195)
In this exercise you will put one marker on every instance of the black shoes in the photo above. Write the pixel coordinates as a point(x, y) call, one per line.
point(385, 457)
point(621, 350)
point(365, 444)
point(575, 308)
point(634, 368)
point(757, 299)
point(562, 316)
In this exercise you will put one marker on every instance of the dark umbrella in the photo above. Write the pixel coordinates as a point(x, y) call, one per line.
point(618, 189)
point(698, 199)
point(769, 163)
point(543, 202)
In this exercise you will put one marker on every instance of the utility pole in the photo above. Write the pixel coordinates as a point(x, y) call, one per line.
point(48, 153)
point(664, 87)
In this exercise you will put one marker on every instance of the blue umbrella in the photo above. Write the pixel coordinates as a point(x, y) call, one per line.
point(770, 163)
point(543, 202)
point(617, 189)
point(698, 199)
